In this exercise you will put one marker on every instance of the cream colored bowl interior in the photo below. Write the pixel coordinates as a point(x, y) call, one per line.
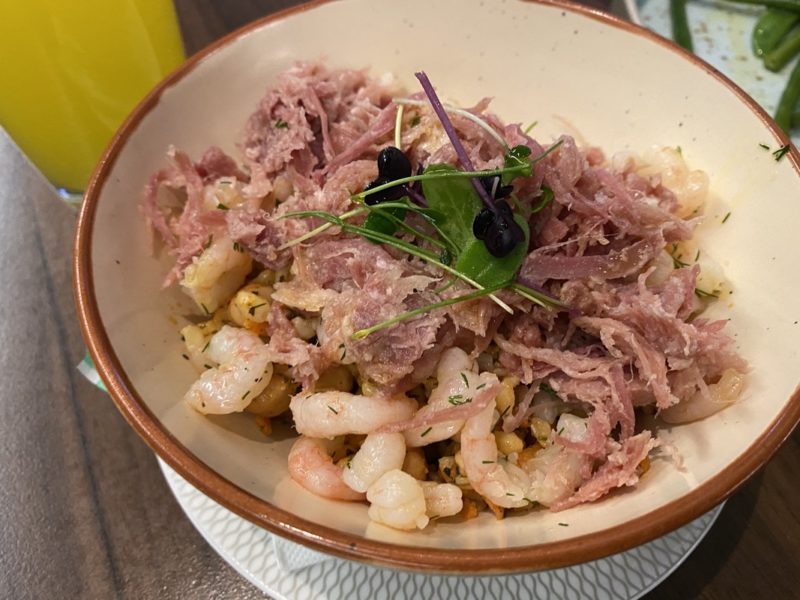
point(611, 87)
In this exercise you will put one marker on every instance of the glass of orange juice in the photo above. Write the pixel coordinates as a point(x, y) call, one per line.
point(73, 69)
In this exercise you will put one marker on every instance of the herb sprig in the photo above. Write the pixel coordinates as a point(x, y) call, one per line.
point(451, 203)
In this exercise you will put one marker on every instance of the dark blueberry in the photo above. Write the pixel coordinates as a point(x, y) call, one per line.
point(387, 195)
point(482, 223)
point(503, 233)
point(393, 164)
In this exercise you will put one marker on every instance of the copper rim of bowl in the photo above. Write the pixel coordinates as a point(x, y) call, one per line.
point(502, 560)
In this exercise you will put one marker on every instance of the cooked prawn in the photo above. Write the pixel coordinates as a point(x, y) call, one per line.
point(455, 381)
point(215, 275)
point(503, 483)
point(380, 453)
point(243, 371)
point(311, 465)
point(397, 500)
point(328, 414)
point(441, 499)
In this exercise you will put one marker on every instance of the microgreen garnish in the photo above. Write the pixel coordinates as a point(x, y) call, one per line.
point(452, 202)
point(505, 410)
point(206, 346)
point(362, 333)
point(764, 146)
point(481, 386)
point(398, 126)
point(697, 256)
point(344, 352)
point(246, 394)
point(487, 462)
point(564, 524)
point(185, 356)
point(518, 156)
point(465, 380)
point(544, 200)
point(457, 111)
point(221, 206)
point(238, 247)
point(458, 400)
point(726, 217)
point(333, 410)
point(252, 309)
point(205, 310)
point(447, 125)
point(426, 432)
point(527, 130)
point(281, 124)
point(421, 253)
point(781, 152)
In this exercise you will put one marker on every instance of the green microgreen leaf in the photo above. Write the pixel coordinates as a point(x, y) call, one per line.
point(518, 156)
point(385, 220)
point(479, 264)
point(456, 201)
point(545, 199)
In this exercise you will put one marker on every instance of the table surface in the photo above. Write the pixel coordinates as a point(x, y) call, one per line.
point(84, 510)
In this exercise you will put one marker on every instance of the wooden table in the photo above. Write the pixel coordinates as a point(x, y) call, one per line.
point(84, 510)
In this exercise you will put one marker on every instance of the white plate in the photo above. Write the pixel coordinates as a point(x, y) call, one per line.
point(721, 33)
point(249, 549)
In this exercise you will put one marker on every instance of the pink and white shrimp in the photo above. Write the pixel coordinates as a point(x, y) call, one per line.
point(311, 465)
point(328, 414)
point(244, 370)
point(457, 383)
point(379, 454)
point(503, 483)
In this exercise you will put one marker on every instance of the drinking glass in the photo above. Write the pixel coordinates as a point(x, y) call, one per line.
point(71, 70)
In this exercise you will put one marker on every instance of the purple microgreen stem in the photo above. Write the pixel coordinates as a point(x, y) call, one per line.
point(447, 124)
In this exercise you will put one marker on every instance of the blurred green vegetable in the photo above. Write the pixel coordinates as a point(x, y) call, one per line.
point(680, 24)
point(789, 98)
point(771, 27)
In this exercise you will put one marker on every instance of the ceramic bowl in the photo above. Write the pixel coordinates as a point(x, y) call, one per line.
point(573, 70)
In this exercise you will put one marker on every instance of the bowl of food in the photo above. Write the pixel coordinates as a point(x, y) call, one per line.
point(506, 292)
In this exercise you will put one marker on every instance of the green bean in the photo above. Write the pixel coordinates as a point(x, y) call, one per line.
point(786, 50)
point(680, 24)
point(771, 27)
point(789, 98)
point(784, 4)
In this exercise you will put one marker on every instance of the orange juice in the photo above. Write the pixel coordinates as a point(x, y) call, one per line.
point(71, 70)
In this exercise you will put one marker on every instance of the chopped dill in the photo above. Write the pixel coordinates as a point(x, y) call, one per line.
point(781, 152)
